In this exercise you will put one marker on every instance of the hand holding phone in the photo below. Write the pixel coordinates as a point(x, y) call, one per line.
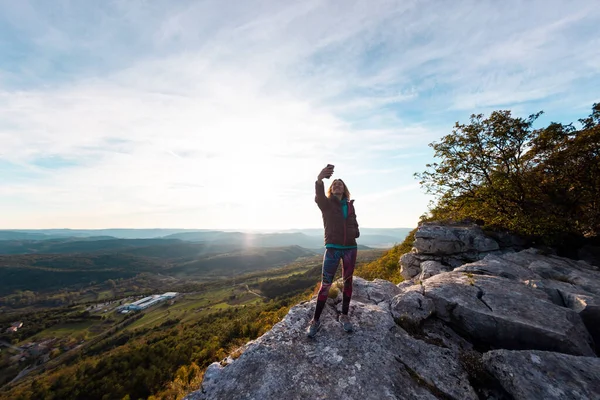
point(326, 172)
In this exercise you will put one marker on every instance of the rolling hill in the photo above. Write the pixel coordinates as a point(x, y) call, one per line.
point(48, 272)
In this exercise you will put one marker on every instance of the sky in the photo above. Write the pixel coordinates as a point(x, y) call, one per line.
point(220, 114)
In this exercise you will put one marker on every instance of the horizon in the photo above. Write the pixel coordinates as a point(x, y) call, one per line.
point(187, 229)
point(193, 114)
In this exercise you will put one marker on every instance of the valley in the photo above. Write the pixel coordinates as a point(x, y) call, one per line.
point(70, 306)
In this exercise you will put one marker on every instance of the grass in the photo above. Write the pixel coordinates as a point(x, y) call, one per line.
point(105, 295)
point(190, 307)
point(220, 306)
point(242, 298)
point(152, 319)
point(63, 330)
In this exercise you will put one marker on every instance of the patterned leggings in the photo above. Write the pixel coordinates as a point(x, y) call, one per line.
point(331, 260)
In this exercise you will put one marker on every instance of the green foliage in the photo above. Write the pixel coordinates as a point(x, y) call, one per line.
point(106, 356)
point(291, 285)
point(542, 183)
point(165, 361)
point(386, 267)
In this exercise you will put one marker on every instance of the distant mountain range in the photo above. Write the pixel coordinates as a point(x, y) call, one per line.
point(41, 234)
point(50, 260)
point(80, 241)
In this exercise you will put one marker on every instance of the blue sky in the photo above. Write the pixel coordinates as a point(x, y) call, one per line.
point(207, 114)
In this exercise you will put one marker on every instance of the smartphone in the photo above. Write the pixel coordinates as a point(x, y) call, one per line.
point(331, 167)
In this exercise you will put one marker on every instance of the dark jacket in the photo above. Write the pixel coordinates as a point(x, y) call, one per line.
point(338, 230)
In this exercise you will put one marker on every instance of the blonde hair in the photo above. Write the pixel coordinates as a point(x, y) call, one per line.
point(346, 191)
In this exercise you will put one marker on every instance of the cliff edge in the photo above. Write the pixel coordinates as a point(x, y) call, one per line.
point(475, 319)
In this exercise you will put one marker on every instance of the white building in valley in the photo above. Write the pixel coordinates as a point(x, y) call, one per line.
point(146, 302)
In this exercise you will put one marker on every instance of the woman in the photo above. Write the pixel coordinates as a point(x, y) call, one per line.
point(341, 231)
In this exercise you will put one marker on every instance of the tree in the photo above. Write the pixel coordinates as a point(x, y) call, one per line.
point(482, 173)
point(499, 170)
point(568, 172)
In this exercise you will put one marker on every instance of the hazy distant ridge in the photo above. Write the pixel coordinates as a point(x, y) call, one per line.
point(66, 241)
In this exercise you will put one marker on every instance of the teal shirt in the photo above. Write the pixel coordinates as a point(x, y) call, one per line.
point(339, 246)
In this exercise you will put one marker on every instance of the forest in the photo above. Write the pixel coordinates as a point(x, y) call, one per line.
point(25, 274)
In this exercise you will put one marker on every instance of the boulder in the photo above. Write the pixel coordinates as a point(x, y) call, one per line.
point(499, 312)
point(455, 262)
point(375, 292)
point(431, 268)
point(378, 361)
point(433, 238)
point(556, 268)
point(588, 308)
point(554, 289)
point(435, 331)
point(410, 266)
point(567, 283)
point(533, 375)
point(411, 308)
point(496, 265)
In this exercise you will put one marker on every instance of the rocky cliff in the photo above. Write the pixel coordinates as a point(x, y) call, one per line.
point(477, 318)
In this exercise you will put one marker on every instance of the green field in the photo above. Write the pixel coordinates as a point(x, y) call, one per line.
point(193, 306)
point(64, 330)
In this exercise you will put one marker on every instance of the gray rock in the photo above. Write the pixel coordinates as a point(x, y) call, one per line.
point(405, 285)
point(578, 273)
point(504, 313)
point(378, 361)
point(435, 331)
point(411, 308)
point(494, 298)
point(568, 283)
point(431, 268)
point(438, 368)
point(554, 289)
point(377, 291)
point(455, 262)
point(432, 238)
point(588, 308)
point(507, 240)
point(495, 265)
point(410, 266)
point(563, 272)
point(533, 375)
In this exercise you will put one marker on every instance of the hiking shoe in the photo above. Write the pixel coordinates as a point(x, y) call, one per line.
point(346, 324)
point(313, 328)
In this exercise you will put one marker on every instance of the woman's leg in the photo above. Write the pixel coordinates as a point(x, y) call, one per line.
point(348, 263)
point(331, 260)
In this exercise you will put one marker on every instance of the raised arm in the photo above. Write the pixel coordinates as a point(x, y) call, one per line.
point(320, 197)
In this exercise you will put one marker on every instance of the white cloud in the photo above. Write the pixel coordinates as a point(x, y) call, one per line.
point(195, 114)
